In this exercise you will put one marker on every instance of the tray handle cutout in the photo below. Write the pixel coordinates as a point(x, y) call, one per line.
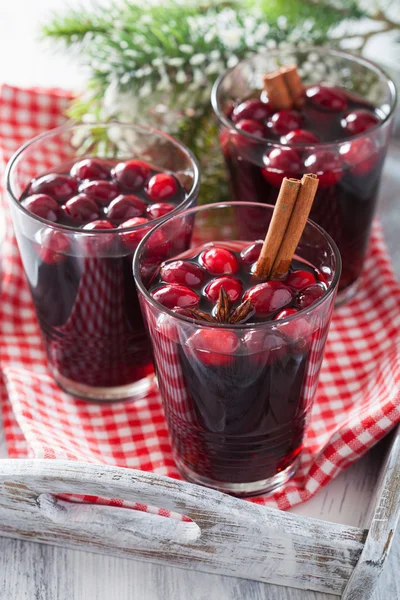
point(118, 520)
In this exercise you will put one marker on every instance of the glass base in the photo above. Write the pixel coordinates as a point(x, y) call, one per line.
point(242, 490)
point(133, 391)
point(344, 296)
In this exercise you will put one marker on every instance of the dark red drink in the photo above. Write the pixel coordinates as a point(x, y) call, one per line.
point(334, 131)
point(237, 357)
point(243, 394)
point(90, 214)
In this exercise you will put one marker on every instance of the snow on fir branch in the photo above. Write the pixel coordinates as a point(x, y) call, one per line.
point(155, 62)
point(178, 43)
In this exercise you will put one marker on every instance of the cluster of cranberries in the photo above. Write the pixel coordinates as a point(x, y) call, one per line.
point(195, 283)
point(329, 114)
point(98, 195)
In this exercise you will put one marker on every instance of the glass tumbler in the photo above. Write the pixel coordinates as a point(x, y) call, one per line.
point(81, 280)
point(349, 169)
point(236, 421)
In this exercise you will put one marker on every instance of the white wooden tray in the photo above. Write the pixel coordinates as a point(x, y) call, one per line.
point(337, 542)
point(343, 555)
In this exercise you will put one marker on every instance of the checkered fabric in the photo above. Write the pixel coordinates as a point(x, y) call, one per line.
point(357, 400)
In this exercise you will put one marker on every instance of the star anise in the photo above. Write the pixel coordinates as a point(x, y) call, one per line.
point(223, 312)
point(241, 312)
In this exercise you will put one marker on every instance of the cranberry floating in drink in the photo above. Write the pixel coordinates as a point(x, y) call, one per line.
point(238, 333)
point(78, 223)
point(332, 116)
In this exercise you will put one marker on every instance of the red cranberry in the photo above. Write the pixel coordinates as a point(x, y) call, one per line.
point(131, 239)
point(214, 347)
point(90, 168)
point(300, 136)
point(174, 295)
point(182, 272)
point(359, 121)
point(162, 186)
point(286, 312)
point(251, 253)
point(54, 246)
point(101, 191)
point(255, 110)
point(295, 329)
point(82, 209)
point(253, 127)
point(327, 98)
point(126, 207)
point(97, 225)
point(100, 243)
point(309, 295)
point(131, 175)
point(280, 163)
point(59, 187)
point(327, 165)
point(42, 206)
point(159, 209)
point(158, 242)
point(232, 286)
point(219, 261)
point(360, 154)
point(264, 348)
point(299, 280)
point(284, 121)
point(269, 297)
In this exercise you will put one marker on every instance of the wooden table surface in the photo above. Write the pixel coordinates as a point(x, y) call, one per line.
point(38, 572)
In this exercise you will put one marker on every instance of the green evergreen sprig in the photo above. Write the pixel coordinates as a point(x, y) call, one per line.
point(156, 63)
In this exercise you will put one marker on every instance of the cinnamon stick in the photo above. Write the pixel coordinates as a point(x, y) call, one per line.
point(297, 222)
point(280, 219)
point(277, 90)
point(284, 88)
point(294, 85)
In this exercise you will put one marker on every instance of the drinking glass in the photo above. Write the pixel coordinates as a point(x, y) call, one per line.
point(349, 170)
point(236, 421)
point(81, 280)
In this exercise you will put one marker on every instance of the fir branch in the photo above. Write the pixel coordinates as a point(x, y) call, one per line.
point(156, 63)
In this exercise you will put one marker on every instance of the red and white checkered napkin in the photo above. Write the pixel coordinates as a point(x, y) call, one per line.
point(357, 403)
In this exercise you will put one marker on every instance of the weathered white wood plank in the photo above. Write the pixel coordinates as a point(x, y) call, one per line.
point(347, 499)
point(237, 538)
point(126, 523)
point(30, 571)
point(39, 572)
point(381, 531)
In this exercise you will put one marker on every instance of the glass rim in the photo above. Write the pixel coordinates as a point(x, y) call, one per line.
point(264, 324)
point(115, 230)
point(215, 102)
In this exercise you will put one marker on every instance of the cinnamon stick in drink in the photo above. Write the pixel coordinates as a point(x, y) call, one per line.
point(277, 90)
point(284, 88)
point(294, 85)
point(298, 219)
point(280, 219)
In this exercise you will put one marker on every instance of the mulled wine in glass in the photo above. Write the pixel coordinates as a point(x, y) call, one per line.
point(78, 218)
